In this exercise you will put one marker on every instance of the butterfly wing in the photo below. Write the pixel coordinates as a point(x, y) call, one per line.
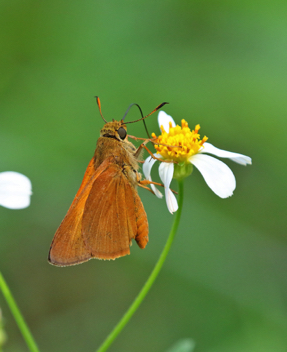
point(113, 216)
point(105, 216)
point(142, 223)
point(68, 247)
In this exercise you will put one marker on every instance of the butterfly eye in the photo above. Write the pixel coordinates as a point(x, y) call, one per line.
point(122, 132)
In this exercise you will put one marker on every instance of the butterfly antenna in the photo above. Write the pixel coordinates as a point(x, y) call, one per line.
point(99, 105)
point(138, 120)
point(144, 117)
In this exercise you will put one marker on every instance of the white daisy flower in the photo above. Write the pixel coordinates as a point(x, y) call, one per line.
point(189, 150)
point(15, 190)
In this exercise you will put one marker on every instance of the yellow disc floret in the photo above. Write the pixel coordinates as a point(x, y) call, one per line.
point(180, 143)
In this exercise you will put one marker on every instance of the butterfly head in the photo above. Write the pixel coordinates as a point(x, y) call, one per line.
point(114, 129)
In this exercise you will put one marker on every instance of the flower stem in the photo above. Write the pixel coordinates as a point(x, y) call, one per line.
point(129, 313)
point(17, 315)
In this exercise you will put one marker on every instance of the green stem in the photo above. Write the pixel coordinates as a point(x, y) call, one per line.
point(129, 313)
point(18, 316)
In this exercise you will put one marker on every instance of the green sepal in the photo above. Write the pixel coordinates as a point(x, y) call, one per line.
point(182, 170)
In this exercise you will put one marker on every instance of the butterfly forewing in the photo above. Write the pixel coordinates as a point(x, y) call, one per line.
point(109, 220)
point(68, 246)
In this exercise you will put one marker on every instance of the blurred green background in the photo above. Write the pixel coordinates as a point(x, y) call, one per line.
point(221, 64)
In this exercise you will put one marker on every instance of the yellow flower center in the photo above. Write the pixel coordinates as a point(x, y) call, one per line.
point(180, 143)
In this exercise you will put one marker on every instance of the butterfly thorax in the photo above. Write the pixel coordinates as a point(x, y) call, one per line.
point(111, 144)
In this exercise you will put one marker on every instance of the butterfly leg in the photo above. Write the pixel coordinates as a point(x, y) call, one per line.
point(145, 187)
point(147, 182)
point(143, 146)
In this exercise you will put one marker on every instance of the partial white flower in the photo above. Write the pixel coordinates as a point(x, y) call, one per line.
point(190, 150)
point(166, 173)
point(15, 190)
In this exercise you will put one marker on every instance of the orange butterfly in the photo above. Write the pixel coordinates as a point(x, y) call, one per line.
point(107, 212)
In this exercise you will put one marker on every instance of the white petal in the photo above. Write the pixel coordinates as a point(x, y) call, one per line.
point(166, 173)
point(15, 190)
point(217, 175)
point(148, 164)
point(238, 158)
point(164, 119)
